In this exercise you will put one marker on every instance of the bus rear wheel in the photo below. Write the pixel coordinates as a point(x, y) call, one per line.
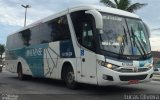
point(20, 72)
point(70, 79)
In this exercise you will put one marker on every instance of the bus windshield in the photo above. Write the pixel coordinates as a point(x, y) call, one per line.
point(124, 36)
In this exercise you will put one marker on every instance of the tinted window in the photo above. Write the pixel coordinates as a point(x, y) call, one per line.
point(26, 37)
point(40, 34)
point(54, 30)
point(45, 33)
point(59, 29)
point(83, 25)
point(87, 35)
point(14, 41)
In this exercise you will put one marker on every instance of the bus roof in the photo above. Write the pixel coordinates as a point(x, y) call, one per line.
point(103, 9)
point(83, 7)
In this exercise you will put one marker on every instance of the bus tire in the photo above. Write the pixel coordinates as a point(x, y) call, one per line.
point(70, 79)
point(20, 72)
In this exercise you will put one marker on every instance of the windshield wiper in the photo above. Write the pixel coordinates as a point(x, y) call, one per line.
point(140, 33)
point(122, 46)
point(126, 39)
point(135, 43)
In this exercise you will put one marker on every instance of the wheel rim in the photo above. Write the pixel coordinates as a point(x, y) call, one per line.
point(70, 77)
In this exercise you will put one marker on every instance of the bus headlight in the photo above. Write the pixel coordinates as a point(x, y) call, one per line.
point(107, 65)
point(150, 66)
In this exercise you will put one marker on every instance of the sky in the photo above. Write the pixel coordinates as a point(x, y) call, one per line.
point(12, 14)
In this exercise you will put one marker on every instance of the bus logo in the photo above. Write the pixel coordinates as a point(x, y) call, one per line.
point(34, 52)
point(82, 52)
point(135, 69)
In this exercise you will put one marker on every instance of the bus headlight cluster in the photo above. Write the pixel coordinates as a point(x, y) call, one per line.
point(107, 65)
point(150, 66)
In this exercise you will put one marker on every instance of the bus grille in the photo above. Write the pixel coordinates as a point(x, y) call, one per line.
point(131, 70)
point(142, 69)
point(137, 77)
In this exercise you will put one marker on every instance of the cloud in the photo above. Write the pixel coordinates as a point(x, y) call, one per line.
point(14, 15)
point(154, 40)
point(11, 12)
point(10, 15)
point(5, 31)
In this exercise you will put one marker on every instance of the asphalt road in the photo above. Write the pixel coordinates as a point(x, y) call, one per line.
point(46, 89)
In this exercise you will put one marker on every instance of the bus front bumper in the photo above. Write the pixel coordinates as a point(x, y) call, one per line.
point(109, 77)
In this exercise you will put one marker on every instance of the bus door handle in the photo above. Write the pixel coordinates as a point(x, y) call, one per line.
point(83, 59)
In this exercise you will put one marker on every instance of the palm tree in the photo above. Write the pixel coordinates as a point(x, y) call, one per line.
point(123, 5)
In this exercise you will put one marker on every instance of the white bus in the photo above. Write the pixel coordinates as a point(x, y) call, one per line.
point(84, 44)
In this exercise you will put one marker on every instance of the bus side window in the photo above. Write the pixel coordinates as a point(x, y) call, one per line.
point(87, 35)
point(83, 26)
point(26, 37)
point(59, 29)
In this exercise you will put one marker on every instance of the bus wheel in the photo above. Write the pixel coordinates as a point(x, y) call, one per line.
point(20, 72)
point(70, 79)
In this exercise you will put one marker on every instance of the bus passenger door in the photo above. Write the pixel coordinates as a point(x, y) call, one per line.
point(88, 56)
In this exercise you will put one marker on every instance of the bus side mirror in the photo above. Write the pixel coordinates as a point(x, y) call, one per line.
point(98, 18)
point(147, 29)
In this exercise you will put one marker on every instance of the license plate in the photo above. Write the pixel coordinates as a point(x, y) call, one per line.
point(133, 81)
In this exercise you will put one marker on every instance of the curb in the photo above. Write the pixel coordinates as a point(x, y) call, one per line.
point(156, 77)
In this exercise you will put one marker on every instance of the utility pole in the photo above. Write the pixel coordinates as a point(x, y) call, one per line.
point(26, 7)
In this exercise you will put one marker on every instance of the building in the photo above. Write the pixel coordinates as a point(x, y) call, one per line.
point(156, 57)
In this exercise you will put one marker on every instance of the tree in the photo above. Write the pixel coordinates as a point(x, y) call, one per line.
point(2, 49)
point(123, 5)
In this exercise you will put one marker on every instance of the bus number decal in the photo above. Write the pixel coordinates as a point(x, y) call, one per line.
point(127, 64)
point(67, 54)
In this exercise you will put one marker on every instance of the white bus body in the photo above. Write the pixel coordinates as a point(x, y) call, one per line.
point(85, 44)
